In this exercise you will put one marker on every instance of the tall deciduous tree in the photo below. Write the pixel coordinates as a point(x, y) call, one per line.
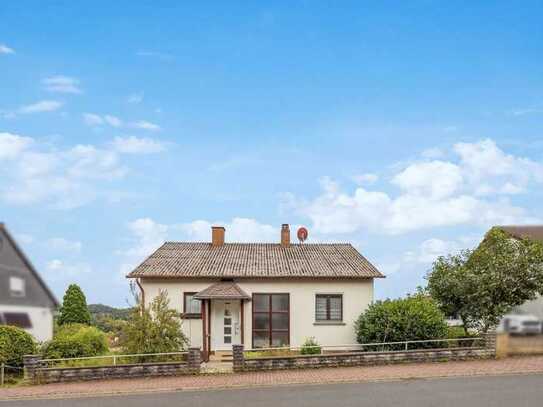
point(482, 285)
point(74, 307)
point(154, 330)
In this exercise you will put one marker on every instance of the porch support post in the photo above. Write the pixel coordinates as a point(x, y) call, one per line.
point(242, 316)
point(208, 327)
point(205, 350)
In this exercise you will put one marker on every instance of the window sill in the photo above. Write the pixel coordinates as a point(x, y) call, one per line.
point(191, 316)
point(329, 323)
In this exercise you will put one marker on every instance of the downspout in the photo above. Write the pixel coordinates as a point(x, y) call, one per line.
point(142, 297)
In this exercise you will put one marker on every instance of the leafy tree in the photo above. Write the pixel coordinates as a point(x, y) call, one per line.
point(449, 283)
point(14, 344)
point(154, 330)
point(415, 317)
point(74, 307)
point(482, 285)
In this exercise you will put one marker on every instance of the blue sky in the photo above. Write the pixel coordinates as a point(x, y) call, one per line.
point(406, 128)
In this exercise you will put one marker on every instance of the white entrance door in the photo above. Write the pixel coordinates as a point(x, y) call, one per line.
point(225, 329)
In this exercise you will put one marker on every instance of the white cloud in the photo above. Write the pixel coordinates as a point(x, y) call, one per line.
point(435, 179)
point(61, 244)
point(432, 153)
point(147, 236)
point(40, 107)
point(431, 249)
point(58, 269)
point(154, 54)
point(365, 179)
point(34, 172)
point(135, 145)
point(24, 238)
point(113, 120)
point(4, 49)
point(61, 84)
point(145, 125)
point(525, 111)
point(93, 120)
point(485, 163)
point(237, 230)
point(12, 145)
point(432, 194)
point(135, 98)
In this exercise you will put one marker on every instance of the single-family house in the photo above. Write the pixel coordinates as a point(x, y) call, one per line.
point(25, 299)
point(260, 294)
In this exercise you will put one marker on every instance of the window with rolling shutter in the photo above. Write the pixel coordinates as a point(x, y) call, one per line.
point(18, 319)
point(329, 307)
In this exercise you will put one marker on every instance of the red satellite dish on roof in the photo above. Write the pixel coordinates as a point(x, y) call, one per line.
point(302, 234)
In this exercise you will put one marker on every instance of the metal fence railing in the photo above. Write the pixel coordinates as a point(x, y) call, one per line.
point(6, 371)
point(378, 346)
point(114, 360)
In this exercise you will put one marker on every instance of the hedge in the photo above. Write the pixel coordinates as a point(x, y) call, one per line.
point(14, 344)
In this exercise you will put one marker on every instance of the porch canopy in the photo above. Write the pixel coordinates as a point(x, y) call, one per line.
point(223, 290)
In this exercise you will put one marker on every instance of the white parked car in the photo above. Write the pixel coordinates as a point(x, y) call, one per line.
point(521, 324)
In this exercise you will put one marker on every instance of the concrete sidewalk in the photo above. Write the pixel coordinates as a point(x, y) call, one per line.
point(518, 365)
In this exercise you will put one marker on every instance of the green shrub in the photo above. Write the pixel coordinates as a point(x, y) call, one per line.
point(406, 319)
point(310, 347)
point(74, 307)
point(76, 340)
point(14, 344)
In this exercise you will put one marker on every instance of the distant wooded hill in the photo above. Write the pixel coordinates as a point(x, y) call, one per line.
point(101, 311)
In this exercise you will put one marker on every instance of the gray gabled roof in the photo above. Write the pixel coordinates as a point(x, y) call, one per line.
point(534, 232)
point(19, 252)
point(255, 260)
point(223, 290)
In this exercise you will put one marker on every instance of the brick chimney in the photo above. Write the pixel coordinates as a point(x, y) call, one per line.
point(217, 236)
point(285, 235)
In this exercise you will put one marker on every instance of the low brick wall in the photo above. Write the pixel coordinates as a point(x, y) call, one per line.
point(242, 364)
point(37, 374)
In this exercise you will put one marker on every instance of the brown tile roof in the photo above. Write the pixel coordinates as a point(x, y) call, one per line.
point(534, 232)
point(222, 291)
point(260, 260)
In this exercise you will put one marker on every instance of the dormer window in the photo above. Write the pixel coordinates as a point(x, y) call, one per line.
point(17, 286)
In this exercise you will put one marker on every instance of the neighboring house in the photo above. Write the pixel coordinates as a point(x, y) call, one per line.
point(260, 294)
point(25, 300)
point(534, 232)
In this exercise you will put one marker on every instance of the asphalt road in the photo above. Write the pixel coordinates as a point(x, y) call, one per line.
point(498, 391)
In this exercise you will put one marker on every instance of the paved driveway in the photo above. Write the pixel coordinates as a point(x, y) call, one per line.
point(518, 391)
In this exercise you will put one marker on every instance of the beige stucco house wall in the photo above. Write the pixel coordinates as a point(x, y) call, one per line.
point(357, 295)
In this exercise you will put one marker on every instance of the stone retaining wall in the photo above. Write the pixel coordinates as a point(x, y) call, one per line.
point(242, 364)
point(36, 373)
